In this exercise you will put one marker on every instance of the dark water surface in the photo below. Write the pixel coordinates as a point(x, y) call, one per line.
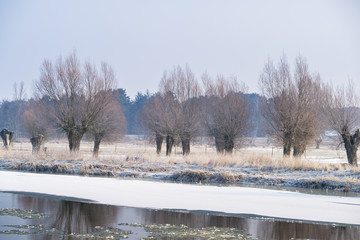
point(54, 218)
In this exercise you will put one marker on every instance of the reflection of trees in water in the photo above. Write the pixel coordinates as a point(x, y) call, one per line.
point(70, 217)
point(191, 219)
point(75, 217)
point(257, 228)
point(82, 217)
point(287, 230)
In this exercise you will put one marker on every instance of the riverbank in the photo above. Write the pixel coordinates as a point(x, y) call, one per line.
point(257, 170)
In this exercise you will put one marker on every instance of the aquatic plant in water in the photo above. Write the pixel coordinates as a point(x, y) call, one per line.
point(98, 233)
point(24, 214)
point(168, 231)
point(29, 229)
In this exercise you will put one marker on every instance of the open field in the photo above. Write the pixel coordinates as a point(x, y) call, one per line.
point(258, 164)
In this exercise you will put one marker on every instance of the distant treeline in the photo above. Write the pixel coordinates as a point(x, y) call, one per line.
point(11, 113)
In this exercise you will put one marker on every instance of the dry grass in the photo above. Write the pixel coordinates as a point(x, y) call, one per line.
point(337, 179)
point(137, 151)
point(255, 160)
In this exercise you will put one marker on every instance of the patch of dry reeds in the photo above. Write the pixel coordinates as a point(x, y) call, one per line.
point(127, 155)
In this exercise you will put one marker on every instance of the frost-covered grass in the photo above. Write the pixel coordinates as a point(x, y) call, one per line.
point(258, 160)
point(262, 164)
point(262, 157)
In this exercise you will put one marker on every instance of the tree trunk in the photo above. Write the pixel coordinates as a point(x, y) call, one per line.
point(287, 144)
point(159, 140)
point(287, 148)
point(219, 143)
point(351, 143)
point(185, 146)
point(229, 144)
point(6, 137)
point(36, 143)
point(318, 142)
point(6, 141)
point(169, 144)
point(97, 141)
point(74, 138)
point(299, 150)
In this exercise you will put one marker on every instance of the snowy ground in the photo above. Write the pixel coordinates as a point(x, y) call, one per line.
point(157, 195)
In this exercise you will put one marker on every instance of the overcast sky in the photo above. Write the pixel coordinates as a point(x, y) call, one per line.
point(141, 39)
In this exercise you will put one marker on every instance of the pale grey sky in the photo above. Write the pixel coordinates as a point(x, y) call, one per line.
point(141, 39)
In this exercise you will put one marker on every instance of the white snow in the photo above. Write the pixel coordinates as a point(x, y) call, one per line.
point(157, 195)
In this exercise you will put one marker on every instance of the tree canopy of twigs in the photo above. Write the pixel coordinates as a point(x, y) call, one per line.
point(110, 126)
point(36, 120)
point(227, 112)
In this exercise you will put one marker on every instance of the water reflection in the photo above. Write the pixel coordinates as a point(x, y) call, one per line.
point(78, 217)
point(258, 228)
point(69, 216)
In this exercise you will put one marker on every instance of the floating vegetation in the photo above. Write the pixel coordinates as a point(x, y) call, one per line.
point(15, 232)
point(98, 233)
point(29, 229)
point(102, 233)
point(168, 231)
point(24, 214)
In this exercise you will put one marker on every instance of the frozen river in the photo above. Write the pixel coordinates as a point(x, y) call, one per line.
point(158, 195)
point(259, 212)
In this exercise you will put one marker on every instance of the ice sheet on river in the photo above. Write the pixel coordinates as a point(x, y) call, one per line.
point(157, 195)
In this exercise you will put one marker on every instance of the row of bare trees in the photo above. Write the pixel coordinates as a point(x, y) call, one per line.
point(183, 108)
point(298, 107)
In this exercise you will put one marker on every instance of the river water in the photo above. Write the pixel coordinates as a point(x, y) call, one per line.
point(53, 217)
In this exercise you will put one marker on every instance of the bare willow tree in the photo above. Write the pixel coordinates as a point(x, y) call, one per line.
point(170, 107)
point(77, 93)
point(226, 112)
point(183, 86)
point(309, 94)
point(159, 117)
point(150, 119)
point(341, 111)
point(111, 125)
point(35, 119)
point(277, 107)
point(291, 104)
point(36, 123)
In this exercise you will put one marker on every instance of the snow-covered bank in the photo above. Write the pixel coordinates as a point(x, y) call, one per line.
point(144, 194)
point(339, 178)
